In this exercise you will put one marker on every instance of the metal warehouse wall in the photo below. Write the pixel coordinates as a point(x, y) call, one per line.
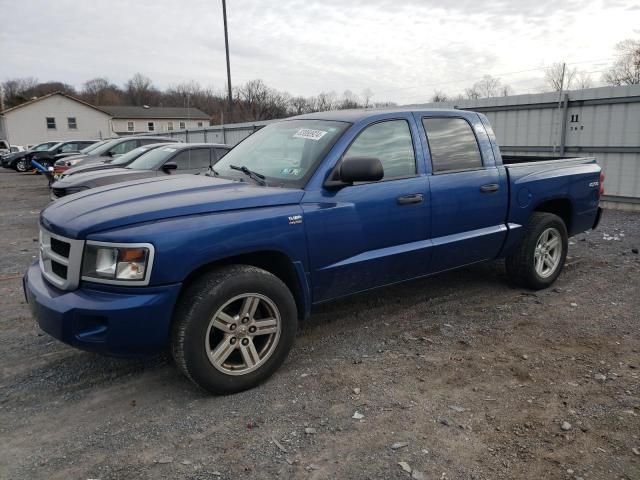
point(602, 122)
point(230, 134)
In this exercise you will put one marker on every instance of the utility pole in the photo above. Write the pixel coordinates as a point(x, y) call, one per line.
point(564, 65)
point(226, 46)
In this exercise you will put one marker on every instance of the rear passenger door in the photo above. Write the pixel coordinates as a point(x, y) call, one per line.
point(469, 193)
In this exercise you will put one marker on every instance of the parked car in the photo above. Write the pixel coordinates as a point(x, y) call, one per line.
point(47, 157)
point(120, 161)
point(306, 210)
point(189, 158)
point(13, 159)
point(107, 151)
point(4, 147)
point(11, 149)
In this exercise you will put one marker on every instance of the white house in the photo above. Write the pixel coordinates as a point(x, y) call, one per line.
point(56, 116)
point(59, 116)
point(129, 120)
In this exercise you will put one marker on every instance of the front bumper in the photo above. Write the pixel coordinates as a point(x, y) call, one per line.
point(122, 322)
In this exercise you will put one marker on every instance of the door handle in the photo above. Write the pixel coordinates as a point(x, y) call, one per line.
point(407, 199)
point(490, 187)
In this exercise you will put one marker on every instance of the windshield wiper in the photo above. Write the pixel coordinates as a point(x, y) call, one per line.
point(257, 177)
point(213, 171)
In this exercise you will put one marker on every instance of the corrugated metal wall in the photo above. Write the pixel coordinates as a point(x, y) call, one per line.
point(602, 122)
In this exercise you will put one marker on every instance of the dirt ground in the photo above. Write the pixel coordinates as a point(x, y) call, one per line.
point(459, 376)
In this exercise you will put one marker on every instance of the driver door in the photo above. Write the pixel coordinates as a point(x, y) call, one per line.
point(376, 233)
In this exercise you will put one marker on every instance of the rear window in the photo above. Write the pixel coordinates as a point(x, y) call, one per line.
point(452, 144)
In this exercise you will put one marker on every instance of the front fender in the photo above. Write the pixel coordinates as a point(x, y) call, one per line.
point(185, 244)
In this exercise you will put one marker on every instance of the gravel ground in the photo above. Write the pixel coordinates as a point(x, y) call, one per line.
point(455, 377)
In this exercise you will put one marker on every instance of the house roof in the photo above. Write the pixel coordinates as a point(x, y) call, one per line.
point(155, 112)
point(70, 97)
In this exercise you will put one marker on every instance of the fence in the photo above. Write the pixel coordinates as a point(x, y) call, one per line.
point(230, 134)
point(602, 122)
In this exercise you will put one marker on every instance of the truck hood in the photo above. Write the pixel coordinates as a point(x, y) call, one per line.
point(149, 200)
point(99, 178)
point(91, 167)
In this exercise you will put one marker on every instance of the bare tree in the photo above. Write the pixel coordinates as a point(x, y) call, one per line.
point(626, 69)
point(439, 96)
point(325, 101)
point(349, 100)
point(488, 87)
point(555, 80)
point(472, 93)
point(583, 80)
point(17, 90)
point(366, 96)
point(505, 90)
point(99, 91)
point(140, 90)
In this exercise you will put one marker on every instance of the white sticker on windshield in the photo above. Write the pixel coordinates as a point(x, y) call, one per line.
point(310, 134)
point(169, 149)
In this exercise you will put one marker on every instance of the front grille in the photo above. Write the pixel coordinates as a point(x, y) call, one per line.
point(59, 192)
point(60, 247)
point(59, 269)
point(60, 259)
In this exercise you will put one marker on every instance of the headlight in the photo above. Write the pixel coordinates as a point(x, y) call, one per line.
point(126, 264)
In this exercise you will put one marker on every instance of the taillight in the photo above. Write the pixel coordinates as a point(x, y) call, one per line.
point(601, 183)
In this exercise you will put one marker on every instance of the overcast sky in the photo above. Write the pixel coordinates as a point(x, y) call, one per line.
point(402, 50)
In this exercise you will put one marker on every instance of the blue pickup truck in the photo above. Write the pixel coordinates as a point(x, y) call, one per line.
point(219, 269)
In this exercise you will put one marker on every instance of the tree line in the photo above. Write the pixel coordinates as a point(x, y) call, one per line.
point(254, 100)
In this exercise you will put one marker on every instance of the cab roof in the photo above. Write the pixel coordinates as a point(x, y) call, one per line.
point(357, 115)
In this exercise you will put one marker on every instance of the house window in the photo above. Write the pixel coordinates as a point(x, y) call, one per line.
point(183, 125)
point(71, 123)
point(51, 123)
point(169, 126)
point(130, 127)
point(200, 124)
point(151, 126)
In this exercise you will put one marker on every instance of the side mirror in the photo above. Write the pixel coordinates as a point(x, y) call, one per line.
point(356, 169)
point(167, 167)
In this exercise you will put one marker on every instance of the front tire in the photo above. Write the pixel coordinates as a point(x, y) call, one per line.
point(21, 165)
point(538, 260)
point(233, 328)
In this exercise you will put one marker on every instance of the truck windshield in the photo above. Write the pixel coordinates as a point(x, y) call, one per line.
point(285, 152)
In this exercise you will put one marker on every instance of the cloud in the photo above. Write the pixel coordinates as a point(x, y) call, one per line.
point(400, 49)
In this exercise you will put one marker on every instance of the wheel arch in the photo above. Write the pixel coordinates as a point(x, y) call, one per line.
point(562, 207)
point(273, 261)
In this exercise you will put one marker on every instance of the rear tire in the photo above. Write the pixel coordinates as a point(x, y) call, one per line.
point(539, 259)
point(233, 328)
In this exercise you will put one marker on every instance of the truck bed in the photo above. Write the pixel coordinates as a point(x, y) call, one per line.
point(518, 159)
